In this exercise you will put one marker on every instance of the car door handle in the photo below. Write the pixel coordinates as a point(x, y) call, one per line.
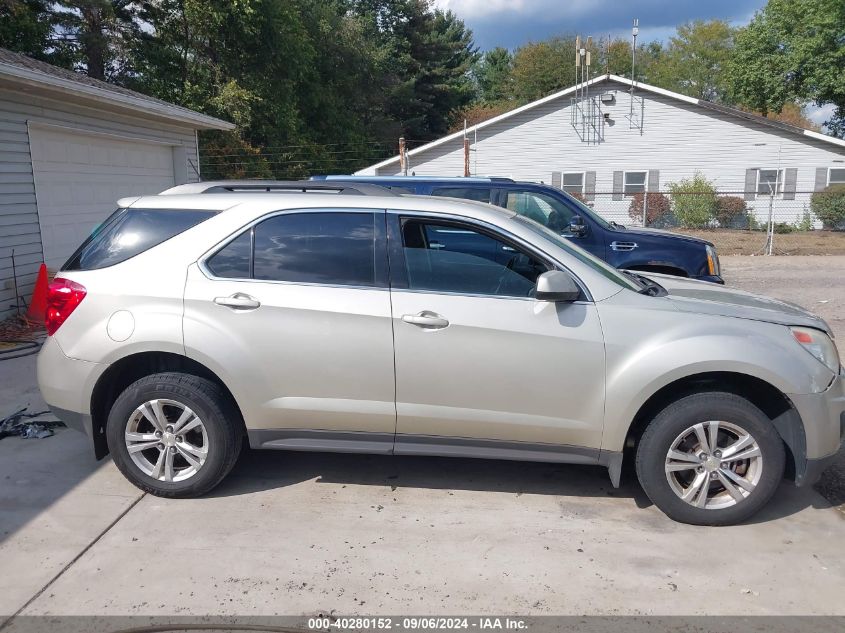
point(426, 319)
point(238, 301)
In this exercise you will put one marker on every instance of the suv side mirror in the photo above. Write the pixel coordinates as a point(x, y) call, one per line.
point(556, 285)
point(577, 226)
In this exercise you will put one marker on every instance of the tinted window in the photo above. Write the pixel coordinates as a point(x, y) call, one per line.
point(325, 248)
point(457, 258)
point(232, 261)
point(478, 194)
point(541, 208)
point(129, 232)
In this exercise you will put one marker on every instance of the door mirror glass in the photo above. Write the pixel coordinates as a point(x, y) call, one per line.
point(557, 285)
point(577, 226)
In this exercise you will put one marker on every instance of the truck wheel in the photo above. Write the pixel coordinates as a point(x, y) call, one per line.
point(173, 435)
point(710, 459)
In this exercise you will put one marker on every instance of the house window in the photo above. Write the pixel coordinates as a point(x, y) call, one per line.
point(836, 176)
point(634, 182)
point(769, 181)
point(573, 182)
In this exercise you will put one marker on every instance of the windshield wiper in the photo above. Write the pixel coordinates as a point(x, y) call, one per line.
point(649, 287)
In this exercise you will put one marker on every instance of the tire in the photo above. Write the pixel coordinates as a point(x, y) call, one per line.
point(212, 445)
point(731, 497)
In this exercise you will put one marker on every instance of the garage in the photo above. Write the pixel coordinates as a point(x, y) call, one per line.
point(79, 176)
point(70, 147)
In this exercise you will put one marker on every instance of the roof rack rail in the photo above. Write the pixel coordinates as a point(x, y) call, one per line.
point(279, 186)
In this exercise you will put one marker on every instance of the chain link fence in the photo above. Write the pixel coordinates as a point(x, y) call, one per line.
point(737, 223)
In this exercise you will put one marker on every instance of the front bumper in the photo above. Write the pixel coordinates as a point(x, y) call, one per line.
point(715, 279)
point(823, 418)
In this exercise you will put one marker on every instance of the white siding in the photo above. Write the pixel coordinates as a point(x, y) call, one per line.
point(677, 139)
point(19, 229)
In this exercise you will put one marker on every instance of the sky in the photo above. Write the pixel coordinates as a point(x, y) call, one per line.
point(510, 23)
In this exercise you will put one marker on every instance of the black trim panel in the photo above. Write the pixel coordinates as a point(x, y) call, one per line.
point(321, 441)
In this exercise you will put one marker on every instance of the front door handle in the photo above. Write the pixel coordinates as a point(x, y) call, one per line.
point(426, 319)
point(239, 301)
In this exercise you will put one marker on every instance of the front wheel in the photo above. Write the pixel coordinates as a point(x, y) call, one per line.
point(173, 435)
point(710, 459)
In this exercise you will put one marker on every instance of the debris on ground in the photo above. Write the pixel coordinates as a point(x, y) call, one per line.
point(21, 424)
point(19, 336)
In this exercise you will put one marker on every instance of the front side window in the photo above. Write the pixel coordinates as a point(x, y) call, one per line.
point(130, 232)
point(322, 248)
point(479, 194)
point(457, 258)
point(573, 182)
point(769, 182)
point(541, 208)
point(634, 182)
point(836, 177)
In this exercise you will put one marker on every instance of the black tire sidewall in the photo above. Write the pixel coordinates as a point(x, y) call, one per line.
point(203, 398)
point(682, 414)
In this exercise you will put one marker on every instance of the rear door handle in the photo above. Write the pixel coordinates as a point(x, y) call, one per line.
point(426, 319)
point(239, 301)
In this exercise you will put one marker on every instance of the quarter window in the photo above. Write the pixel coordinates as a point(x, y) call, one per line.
point(324, 248)
point(479, 194)
point(836, 177)
point(769, 181)
point(634, 182)
point(459, 259)
point(573, 182)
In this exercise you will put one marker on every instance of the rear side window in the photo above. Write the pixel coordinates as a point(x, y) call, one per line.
point(130, 232)
point(479, 194)
point(323, 248)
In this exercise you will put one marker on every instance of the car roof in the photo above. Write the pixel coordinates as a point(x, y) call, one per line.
point(255, 204)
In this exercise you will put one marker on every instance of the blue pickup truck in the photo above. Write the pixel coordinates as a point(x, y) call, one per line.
point(630, 248)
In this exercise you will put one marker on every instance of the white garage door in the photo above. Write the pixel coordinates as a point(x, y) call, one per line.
point(79, 177)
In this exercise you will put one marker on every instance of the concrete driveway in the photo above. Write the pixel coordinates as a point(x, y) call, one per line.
point(301, 534)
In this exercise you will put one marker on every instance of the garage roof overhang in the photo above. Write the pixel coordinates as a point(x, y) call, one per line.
point(39, 78)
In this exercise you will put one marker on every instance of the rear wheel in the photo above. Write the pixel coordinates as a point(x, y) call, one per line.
point(173, 435)
point(710, 459)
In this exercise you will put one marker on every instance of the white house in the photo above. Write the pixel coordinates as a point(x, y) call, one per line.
point(70, 146)
point(607, 142)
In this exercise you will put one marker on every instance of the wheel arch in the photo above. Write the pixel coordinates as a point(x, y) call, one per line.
point(126, 370)
point(775, 404)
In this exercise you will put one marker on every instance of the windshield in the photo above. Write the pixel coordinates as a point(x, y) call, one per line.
point(581, 255)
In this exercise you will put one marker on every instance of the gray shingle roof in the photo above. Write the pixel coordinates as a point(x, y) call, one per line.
point(55, 75)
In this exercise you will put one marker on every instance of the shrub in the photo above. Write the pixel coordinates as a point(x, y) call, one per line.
point(806, 221)
point(828, 206)
point(694, 201)
point(731, 212)
point(658, 208)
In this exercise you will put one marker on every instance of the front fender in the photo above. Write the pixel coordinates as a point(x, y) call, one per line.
point(671, 347)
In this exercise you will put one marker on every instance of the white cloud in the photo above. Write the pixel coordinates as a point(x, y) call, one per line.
point(819, 114)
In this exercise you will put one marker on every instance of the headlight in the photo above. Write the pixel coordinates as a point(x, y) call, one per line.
point(713, 266)
point(819, 345)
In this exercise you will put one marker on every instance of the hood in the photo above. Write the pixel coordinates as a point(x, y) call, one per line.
point(638, 230)
point(701, 297)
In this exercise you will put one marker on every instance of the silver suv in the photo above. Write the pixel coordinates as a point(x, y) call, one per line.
point(377, 323)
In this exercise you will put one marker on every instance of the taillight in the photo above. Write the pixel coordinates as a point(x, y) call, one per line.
point(63, 296)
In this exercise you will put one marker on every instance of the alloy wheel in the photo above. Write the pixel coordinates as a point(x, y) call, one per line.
point(714, 465)
point(166, 440)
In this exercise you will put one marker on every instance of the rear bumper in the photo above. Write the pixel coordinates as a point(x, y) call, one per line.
point(66, 385)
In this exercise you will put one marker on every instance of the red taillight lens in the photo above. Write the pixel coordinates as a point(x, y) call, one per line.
point(63, 296)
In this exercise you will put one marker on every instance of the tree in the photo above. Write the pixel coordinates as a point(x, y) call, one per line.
point(616, 58)
point(694, 61)
point(492, 74)
point(792, 50)
point(540, 68)
point(25, 27)
point(94, 34)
